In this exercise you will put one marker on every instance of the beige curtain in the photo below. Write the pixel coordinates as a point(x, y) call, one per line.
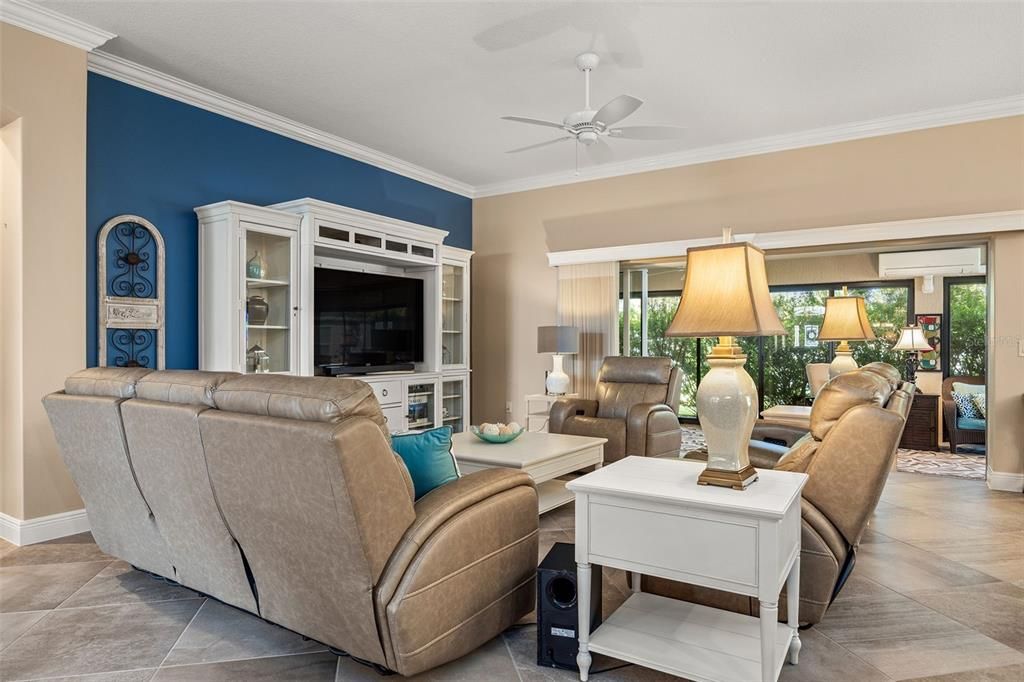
point(588, 298)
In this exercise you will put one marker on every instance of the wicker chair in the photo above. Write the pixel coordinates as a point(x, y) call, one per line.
point(959, 436)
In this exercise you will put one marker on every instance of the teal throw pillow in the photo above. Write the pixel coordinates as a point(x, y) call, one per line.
point(428, 457)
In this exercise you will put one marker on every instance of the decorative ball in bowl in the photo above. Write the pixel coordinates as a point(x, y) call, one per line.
point(497, 433)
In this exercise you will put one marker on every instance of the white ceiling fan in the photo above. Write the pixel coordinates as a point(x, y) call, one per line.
point(590, 127)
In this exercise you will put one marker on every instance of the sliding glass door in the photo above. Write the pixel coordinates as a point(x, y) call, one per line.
point(777, 364)
point(785, 358)
point(966, 327)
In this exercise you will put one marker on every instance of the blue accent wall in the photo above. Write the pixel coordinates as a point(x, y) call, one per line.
point(159, 158)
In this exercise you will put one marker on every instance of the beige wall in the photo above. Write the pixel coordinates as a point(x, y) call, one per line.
point(42, 84)
point(955, 170)
point(1006, 357)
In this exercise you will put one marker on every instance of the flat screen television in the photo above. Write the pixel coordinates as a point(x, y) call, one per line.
point(365, 322)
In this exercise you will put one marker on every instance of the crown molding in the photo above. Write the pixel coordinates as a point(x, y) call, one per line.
point(931, 118)
point(938, 227)
point(46, 22)
point(161, 83)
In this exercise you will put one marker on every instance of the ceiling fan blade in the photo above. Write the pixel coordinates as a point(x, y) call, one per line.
point(539, 144)
point(648, 132)
point(616, 110)
point(600, 151)
point(533, 121)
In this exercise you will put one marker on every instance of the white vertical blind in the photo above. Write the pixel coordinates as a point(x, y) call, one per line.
point(588, 298)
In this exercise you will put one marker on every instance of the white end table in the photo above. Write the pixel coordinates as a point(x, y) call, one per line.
point(537, 417)
point(649, 516)
point(544, 456)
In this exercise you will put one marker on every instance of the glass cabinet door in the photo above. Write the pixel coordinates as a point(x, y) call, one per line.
point(454, 400)
point(269, 259)
point(422, 412)
point(453, 315)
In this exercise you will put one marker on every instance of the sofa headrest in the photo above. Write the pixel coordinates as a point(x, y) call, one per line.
point(111, 382)
point(188, 387)
point(886, 371)
point(318, 399)
point(619, 370)
point(843, 393)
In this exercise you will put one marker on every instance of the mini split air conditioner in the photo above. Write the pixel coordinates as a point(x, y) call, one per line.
point(928, 264)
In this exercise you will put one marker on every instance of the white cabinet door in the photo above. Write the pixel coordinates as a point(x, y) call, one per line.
point(454, 314)
point(455, 402)
point(269, 310)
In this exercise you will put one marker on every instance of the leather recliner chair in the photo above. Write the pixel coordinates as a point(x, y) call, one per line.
point(635, 409)
point(281, 495)
point(856, 424)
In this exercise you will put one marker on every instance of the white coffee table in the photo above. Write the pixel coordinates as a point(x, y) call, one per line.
point(648, 516)
point(544, 456)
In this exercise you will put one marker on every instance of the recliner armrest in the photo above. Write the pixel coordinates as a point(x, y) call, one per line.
point(463, 571)
point(780, 434)
point(652, 429)
point(437, 507)
point(564, 408)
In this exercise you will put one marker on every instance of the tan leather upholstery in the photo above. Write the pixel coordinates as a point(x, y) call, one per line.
point(320, 399)
point(817, 375)
point(857, 421)
point(113, 382)
point(635, 409)
point(170, 462)
point(886, 371)
point(91, 438)
point(836, 397)
point(473, 542)
point(282, 495)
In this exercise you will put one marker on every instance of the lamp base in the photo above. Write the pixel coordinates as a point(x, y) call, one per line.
point(557, 382)
point(737, 480)
point(842, 363)
point(727, 408)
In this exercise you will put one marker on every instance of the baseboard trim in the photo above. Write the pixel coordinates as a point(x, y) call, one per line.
point(40, 529)
point(1012, 483)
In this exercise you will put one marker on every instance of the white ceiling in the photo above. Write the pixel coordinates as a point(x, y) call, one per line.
point(427, 81)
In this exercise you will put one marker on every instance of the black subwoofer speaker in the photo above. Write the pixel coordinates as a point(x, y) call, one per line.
point(558, 607)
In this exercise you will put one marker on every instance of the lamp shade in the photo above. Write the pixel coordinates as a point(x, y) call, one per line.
point(846, 319)
point(725, 293)
point(912, 338)
point(558, 339)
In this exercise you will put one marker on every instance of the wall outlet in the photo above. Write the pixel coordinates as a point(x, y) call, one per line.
point(508, 407)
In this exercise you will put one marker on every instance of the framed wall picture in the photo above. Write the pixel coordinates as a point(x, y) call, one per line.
point(931, 324)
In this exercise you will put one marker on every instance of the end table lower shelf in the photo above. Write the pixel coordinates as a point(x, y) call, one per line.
point(687, 640)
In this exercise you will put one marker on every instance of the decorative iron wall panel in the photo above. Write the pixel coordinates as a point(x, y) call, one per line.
point(131, 293)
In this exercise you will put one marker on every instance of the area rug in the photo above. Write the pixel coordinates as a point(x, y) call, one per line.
point(911, 461)
point(941, 464)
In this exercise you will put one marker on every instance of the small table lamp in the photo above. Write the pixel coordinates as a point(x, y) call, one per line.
point(912, 340)
point(846, 319)
point(558, 340)
point(725, 294)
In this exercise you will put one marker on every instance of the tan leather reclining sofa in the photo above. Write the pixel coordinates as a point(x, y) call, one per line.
point(856, 424)
point(635, 409)
point(281, 496)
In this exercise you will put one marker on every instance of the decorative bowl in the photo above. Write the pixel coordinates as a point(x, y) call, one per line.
point(506, 438)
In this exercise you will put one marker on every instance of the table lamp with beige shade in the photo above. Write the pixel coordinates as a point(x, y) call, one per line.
point(912, 341)
point(725, 294)
point(846, 319)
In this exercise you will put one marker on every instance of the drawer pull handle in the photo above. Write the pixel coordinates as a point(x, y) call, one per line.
point(384, 392)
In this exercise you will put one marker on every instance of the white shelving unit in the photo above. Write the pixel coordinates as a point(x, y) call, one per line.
point(232, 234)
point(295, 237)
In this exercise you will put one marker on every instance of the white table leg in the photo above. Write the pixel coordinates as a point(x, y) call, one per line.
point(769, 624)
point(793, 609)
point(583, 606)
point(636, 582)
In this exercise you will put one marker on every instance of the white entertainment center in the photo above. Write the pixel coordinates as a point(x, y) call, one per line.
point(256, 298)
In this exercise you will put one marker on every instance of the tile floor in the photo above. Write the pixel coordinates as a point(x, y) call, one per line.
point(937, 594)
